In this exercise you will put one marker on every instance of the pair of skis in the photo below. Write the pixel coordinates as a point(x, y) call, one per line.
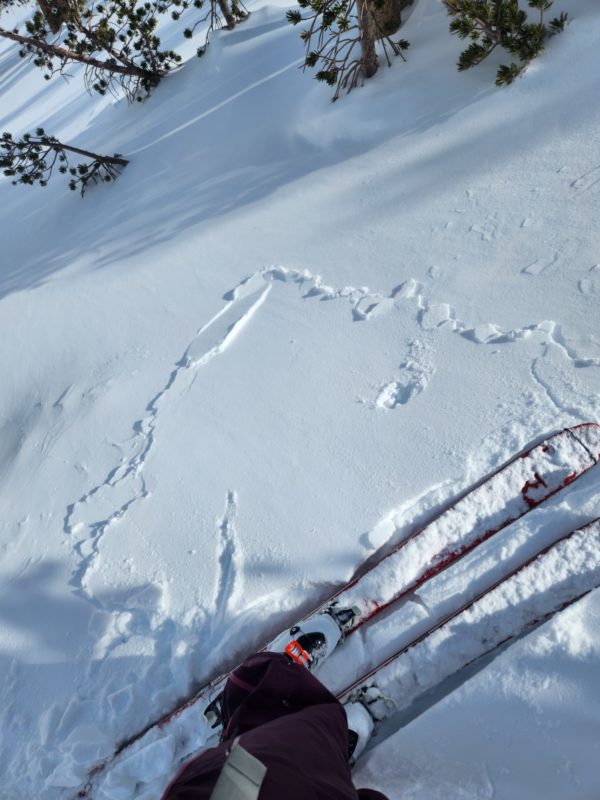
point(479, 514)
point(530, 594)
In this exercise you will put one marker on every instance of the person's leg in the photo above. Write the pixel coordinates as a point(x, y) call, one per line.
point(265, 687)
point(270, 685)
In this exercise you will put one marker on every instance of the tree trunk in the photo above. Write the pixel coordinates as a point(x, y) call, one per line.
point(227, 14)
point(368, 34)
point(388, 15)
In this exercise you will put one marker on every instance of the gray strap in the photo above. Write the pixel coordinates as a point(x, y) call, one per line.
point(241, 777)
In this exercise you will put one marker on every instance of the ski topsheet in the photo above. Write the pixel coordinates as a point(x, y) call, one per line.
point(530, 594)
point(487, 508)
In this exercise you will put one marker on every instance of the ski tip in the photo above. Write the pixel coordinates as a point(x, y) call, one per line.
point(588, 434)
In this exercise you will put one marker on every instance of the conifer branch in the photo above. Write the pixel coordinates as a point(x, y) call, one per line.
point(33, 159)
point(219, 13)
point(489, 24)
point(116, 43)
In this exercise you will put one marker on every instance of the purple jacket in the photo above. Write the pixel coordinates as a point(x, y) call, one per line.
point(288, 720)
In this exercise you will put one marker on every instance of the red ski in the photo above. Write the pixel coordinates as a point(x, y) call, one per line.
point(490, 506)
point(484, 510)
point(529, 595)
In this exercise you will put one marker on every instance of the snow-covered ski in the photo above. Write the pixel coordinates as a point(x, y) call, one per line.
point(529, 595)
point(482, 511)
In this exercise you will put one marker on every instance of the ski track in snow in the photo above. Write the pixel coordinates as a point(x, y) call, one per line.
point(88, 518)
point(226, 584)
point(587, 181)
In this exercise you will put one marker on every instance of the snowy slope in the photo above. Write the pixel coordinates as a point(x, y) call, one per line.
point(290, 330)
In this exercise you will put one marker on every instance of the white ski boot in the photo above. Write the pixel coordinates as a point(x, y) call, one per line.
point(316, 637)
point(364, 709)
point(360, 728)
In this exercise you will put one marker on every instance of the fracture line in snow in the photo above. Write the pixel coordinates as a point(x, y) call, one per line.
point(89, 517)
point(559, 400)
point(547, 389)
point(417, 369)
point(367, 305)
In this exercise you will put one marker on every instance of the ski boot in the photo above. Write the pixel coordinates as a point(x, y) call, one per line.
point(307, 644)
point(364, 709)
point(316, 637)
point(360, 728)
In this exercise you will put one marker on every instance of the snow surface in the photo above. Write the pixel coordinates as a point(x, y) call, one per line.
point(289, 333)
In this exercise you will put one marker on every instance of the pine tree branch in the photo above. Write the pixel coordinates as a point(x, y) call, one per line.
point(70, 55)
